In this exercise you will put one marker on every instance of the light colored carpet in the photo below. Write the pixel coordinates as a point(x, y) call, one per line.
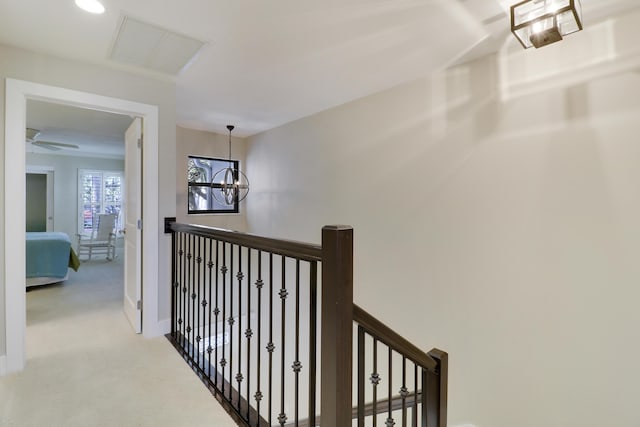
point(86, 368)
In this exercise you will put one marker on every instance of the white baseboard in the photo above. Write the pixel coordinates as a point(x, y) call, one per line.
point(3, 366)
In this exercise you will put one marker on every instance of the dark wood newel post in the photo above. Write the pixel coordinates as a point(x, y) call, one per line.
point(337, 326)
point(434, 391)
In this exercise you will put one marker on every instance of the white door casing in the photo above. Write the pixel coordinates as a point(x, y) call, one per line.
point(133, 225)
point(16, 94)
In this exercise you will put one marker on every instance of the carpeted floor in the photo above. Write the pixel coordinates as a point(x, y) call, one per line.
point(86, 368)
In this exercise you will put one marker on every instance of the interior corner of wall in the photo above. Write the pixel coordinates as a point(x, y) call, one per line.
point(3, 365)
point(157, 329)
point(165, 326)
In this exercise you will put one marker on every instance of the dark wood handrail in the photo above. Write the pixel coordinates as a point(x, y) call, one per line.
point(385, 334)
point(290, 248)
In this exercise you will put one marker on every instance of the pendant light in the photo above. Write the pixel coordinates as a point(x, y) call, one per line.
point(229, 185)
point(538, 23)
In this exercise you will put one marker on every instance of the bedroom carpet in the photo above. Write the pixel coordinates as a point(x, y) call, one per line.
point(86, 368)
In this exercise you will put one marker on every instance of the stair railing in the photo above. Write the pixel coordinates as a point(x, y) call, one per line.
point(247, 318)
point(413, 383)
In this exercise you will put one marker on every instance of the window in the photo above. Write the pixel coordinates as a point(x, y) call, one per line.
point(200, 172)
point(100, 192)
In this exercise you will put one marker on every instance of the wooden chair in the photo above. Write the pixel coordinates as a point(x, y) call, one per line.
point(102, 239)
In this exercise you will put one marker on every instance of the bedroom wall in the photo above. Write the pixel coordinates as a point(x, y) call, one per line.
point(35, 67)
point(502, 230)
point(65, 209)
point(191, 142)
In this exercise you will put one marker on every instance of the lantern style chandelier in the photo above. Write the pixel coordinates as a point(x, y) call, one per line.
point(229, 185)
point(538, 23)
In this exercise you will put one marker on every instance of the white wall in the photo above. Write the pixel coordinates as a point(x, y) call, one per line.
point(33, 67)
point(191, 142)
point(65, 209)
point(504, 232)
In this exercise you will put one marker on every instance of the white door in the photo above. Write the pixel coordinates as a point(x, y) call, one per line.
point(133, 226)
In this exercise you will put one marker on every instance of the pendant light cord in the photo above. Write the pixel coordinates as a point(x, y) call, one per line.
point(230, 127)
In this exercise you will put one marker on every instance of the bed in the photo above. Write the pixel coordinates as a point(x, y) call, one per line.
point(49, 256)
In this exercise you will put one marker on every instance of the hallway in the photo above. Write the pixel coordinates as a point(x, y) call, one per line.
point(85, 366)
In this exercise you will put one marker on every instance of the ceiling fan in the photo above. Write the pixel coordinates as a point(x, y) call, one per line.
point(32, 138)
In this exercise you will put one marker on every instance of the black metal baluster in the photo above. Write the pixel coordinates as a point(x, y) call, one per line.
point(203, 297)
point(187, 284)
point(175, 254)
point(426, 390)
point(282, 417)
point(259, 285)
point(194, 319)
point(313, 339)
point(180, 326)
point(216, 312)
point(231, 323)
point(239, 276)
point(194, 303)
point(248, 333)
point(184, 289)
point(390, 422)
point(375, 380)
point(174, 282)
point(361, 368)
point(197, 298)
point(297, 366)
point(270, 346)
point(223, 270)
point(210, 265)
point(404, 392)
point(186, 294)
point(204, 303)
point(189, 293)
point(415, 399)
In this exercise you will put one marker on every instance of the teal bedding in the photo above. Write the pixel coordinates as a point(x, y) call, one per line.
point(49, 254)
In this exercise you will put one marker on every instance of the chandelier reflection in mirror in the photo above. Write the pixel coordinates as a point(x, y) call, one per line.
point(229, 185)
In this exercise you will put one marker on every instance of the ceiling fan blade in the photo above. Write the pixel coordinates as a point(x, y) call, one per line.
point(32, 134)
point(55, 144)
point(47, 146)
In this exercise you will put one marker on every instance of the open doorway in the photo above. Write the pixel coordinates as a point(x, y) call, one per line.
point(17, 94)
point(85, 149)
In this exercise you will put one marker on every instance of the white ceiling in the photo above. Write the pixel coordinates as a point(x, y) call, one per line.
point(266, 63)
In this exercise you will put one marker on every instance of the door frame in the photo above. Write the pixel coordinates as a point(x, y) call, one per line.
point(16, 94)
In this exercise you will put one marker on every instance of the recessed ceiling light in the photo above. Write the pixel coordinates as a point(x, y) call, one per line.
point(91, 6)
